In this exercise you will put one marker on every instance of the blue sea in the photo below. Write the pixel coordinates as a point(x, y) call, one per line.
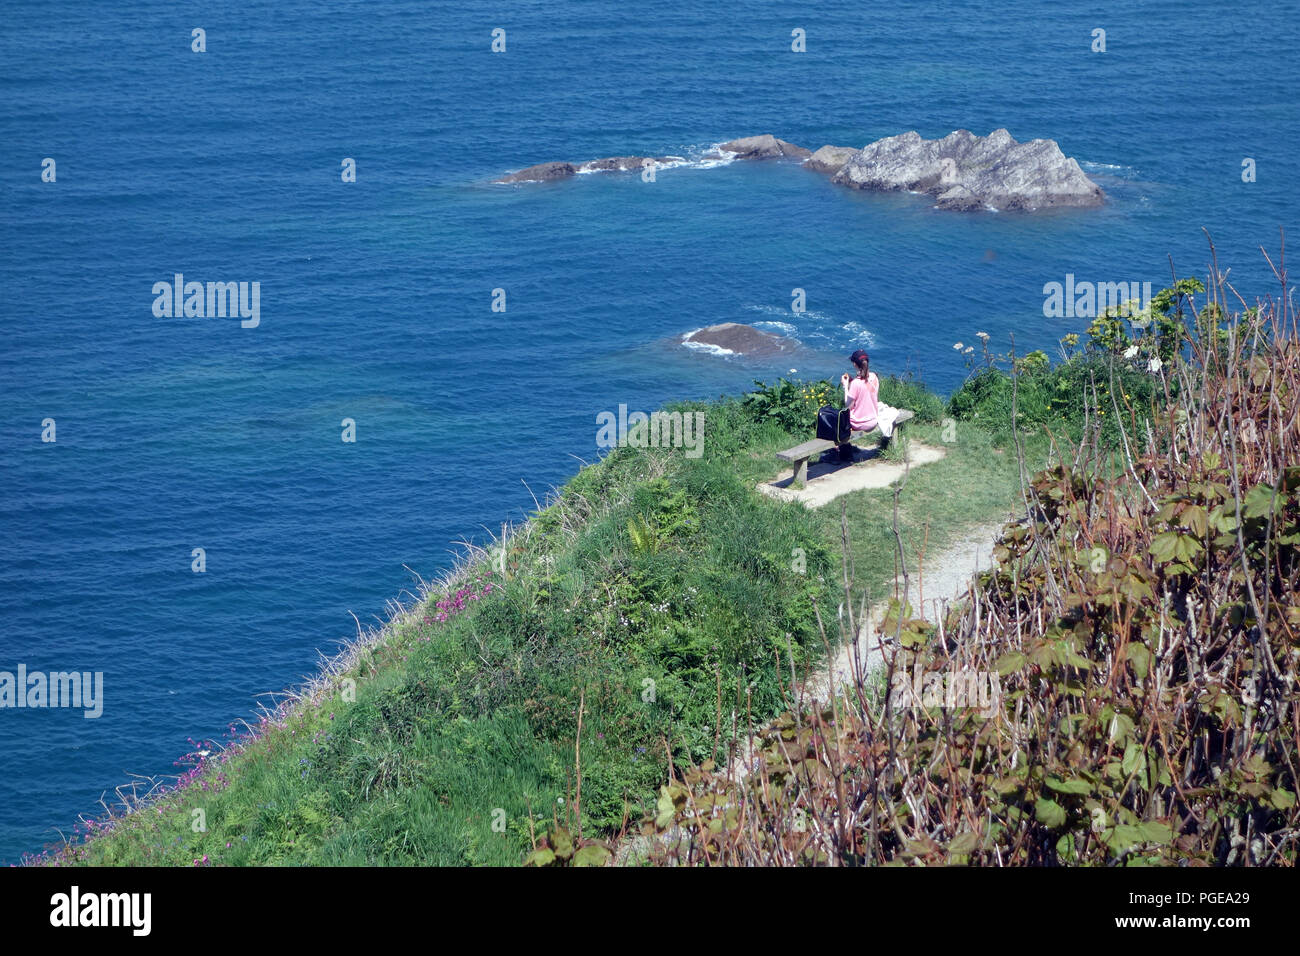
point(376, 296)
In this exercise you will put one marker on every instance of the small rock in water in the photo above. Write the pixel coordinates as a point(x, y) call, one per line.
point(765, 146)
point(830, 159)
point(540, 173)
point(742, 339)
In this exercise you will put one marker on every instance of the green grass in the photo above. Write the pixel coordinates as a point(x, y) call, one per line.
point(975, 483)
point(654, 594)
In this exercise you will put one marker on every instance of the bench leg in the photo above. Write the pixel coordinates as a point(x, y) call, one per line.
point(887, 442)
point(801, 473)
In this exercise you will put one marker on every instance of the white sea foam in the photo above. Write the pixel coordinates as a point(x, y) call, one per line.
point(673, 163)
point(1110, 169)
point(708, 347)
point(810, 315)
point(711, 156)
point(784, 327)
point(711, 163)
point(858, 334)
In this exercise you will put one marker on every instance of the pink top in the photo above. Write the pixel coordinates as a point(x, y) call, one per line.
point(863, 402)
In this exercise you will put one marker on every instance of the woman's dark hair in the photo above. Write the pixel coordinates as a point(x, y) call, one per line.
point(863, 363)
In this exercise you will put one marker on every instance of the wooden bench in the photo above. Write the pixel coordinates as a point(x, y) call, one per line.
point(800, 454)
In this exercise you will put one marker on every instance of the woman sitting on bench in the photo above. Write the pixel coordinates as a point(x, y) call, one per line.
point(862, 396)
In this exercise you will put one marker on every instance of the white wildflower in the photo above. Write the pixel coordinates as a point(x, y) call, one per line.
point(1131, 351)
point(1155, 364)
point(968, 350)
point(957, 346)
point(982, 335)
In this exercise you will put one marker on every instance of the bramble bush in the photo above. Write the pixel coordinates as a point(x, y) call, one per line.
point(1142, 621)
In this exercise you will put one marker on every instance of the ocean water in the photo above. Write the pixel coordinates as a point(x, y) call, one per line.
point(376, 296)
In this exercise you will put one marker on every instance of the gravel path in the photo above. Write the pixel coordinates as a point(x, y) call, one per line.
point(943, 578)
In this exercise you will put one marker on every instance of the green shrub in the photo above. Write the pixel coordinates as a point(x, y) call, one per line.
point(912, 394)
point(1085, 388)
point(792, 405)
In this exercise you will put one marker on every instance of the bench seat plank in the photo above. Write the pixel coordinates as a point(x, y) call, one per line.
point(800, 454)
point(806, 450)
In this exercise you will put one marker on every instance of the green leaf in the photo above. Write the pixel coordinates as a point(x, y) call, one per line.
point(540, 857)
point(1122, 838)
point(1163, 545)
point(1073, 785)
point(1077, 660)
point(1005, 785)
point(1049, 812)
point(1121, 726)
point(1010, 662)
point(665, 807)
point(1153, 831)
point(1133, 758)
point(561, 842)
point(1194, 520)
point(1257, 765)
point(591, 856)
point(964, 843)
point(1259, 501)
point(1140, 657)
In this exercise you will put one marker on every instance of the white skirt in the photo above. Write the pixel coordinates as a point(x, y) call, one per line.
point(885, 415)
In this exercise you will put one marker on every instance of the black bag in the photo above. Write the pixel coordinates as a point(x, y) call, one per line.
point(833, 424)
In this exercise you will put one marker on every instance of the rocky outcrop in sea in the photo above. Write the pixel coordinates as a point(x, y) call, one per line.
point(961, 171)
point(965, 171)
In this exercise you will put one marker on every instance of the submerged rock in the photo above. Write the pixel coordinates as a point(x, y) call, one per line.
point(543, 172)
point(741, 339)
point(829, 159)
point(540, 173)
point(765, 146)
point(624, 164)
point(965, 171)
